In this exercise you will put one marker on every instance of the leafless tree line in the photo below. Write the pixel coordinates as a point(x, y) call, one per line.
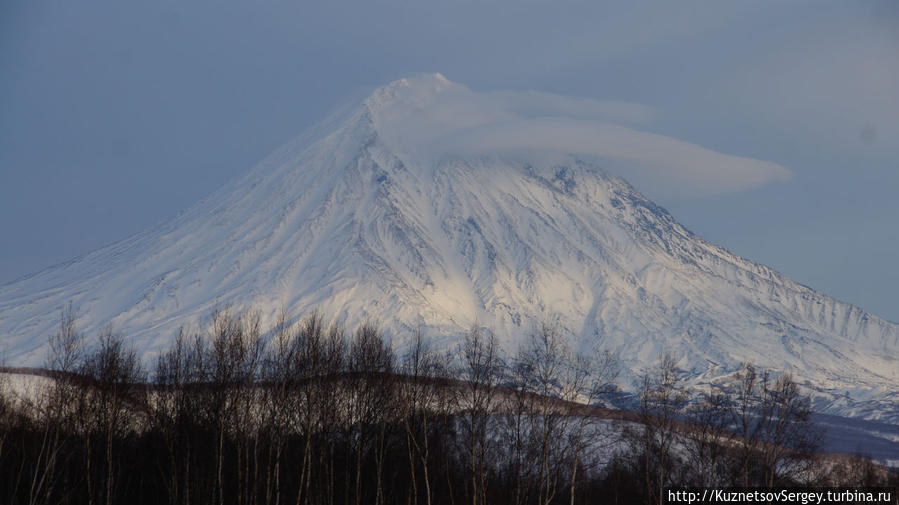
point(309, 413)
point(756, 431)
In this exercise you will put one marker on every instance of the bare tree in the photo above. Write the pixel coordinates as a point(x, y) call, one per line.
point(708, 438)
point(788, 436)
point(11, 419)
point(545, 360)
point(57, 405)
point(334, 405)
point(226, 366)
point(517, 408)
point(115, 396)
point(172, 413)
point(745, 422)
point(662, 400)
point(480, 370)
point(311, 362)
point(277, 404)
point(773, 420)
point(588, 377)
point(554, 387)
point(419, 397)
point(371, 365)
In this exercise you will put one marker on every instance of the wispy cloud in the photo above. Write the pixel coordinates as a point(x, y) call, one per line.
point(434, 116)
point(535, 104)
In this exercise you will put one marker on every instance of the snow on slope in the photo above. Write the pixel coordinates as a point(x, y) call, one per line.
point(365, 218)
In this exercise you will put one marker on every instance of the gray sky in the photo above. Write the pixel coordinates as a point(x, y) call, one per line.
point(115, 115)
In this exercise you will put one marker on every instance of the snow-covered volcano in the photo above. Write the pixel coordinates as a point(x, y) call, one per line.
point(359, 220)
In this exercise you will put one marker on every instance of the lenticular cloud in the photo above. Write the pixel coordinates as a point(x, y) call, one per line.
point(438, 117)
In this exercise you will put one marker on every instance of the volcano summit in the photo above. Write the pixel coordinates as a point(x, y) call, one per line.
point(426, 205)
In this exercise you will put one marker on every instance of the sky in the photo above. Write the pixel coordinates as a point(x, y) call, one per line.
point(115, 115)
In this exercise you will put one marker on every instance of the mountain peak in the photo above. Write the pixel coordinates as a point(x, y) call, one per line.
point(419, 90)
point(368, 220)
point(416, 116)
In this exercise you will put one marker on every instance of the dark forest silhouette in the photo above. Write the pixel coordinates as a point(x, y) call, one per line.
point(308, 413)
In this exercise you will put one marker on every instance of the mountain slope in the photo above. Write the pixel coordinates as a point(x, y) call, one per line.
point(354, 220)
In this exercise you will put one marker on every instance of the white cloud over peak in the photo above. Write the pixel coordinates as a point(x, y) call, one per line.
point(429, 116)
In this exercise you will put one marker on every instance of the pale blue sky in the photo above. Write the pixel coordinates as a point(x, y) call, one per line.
point(115, 115)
